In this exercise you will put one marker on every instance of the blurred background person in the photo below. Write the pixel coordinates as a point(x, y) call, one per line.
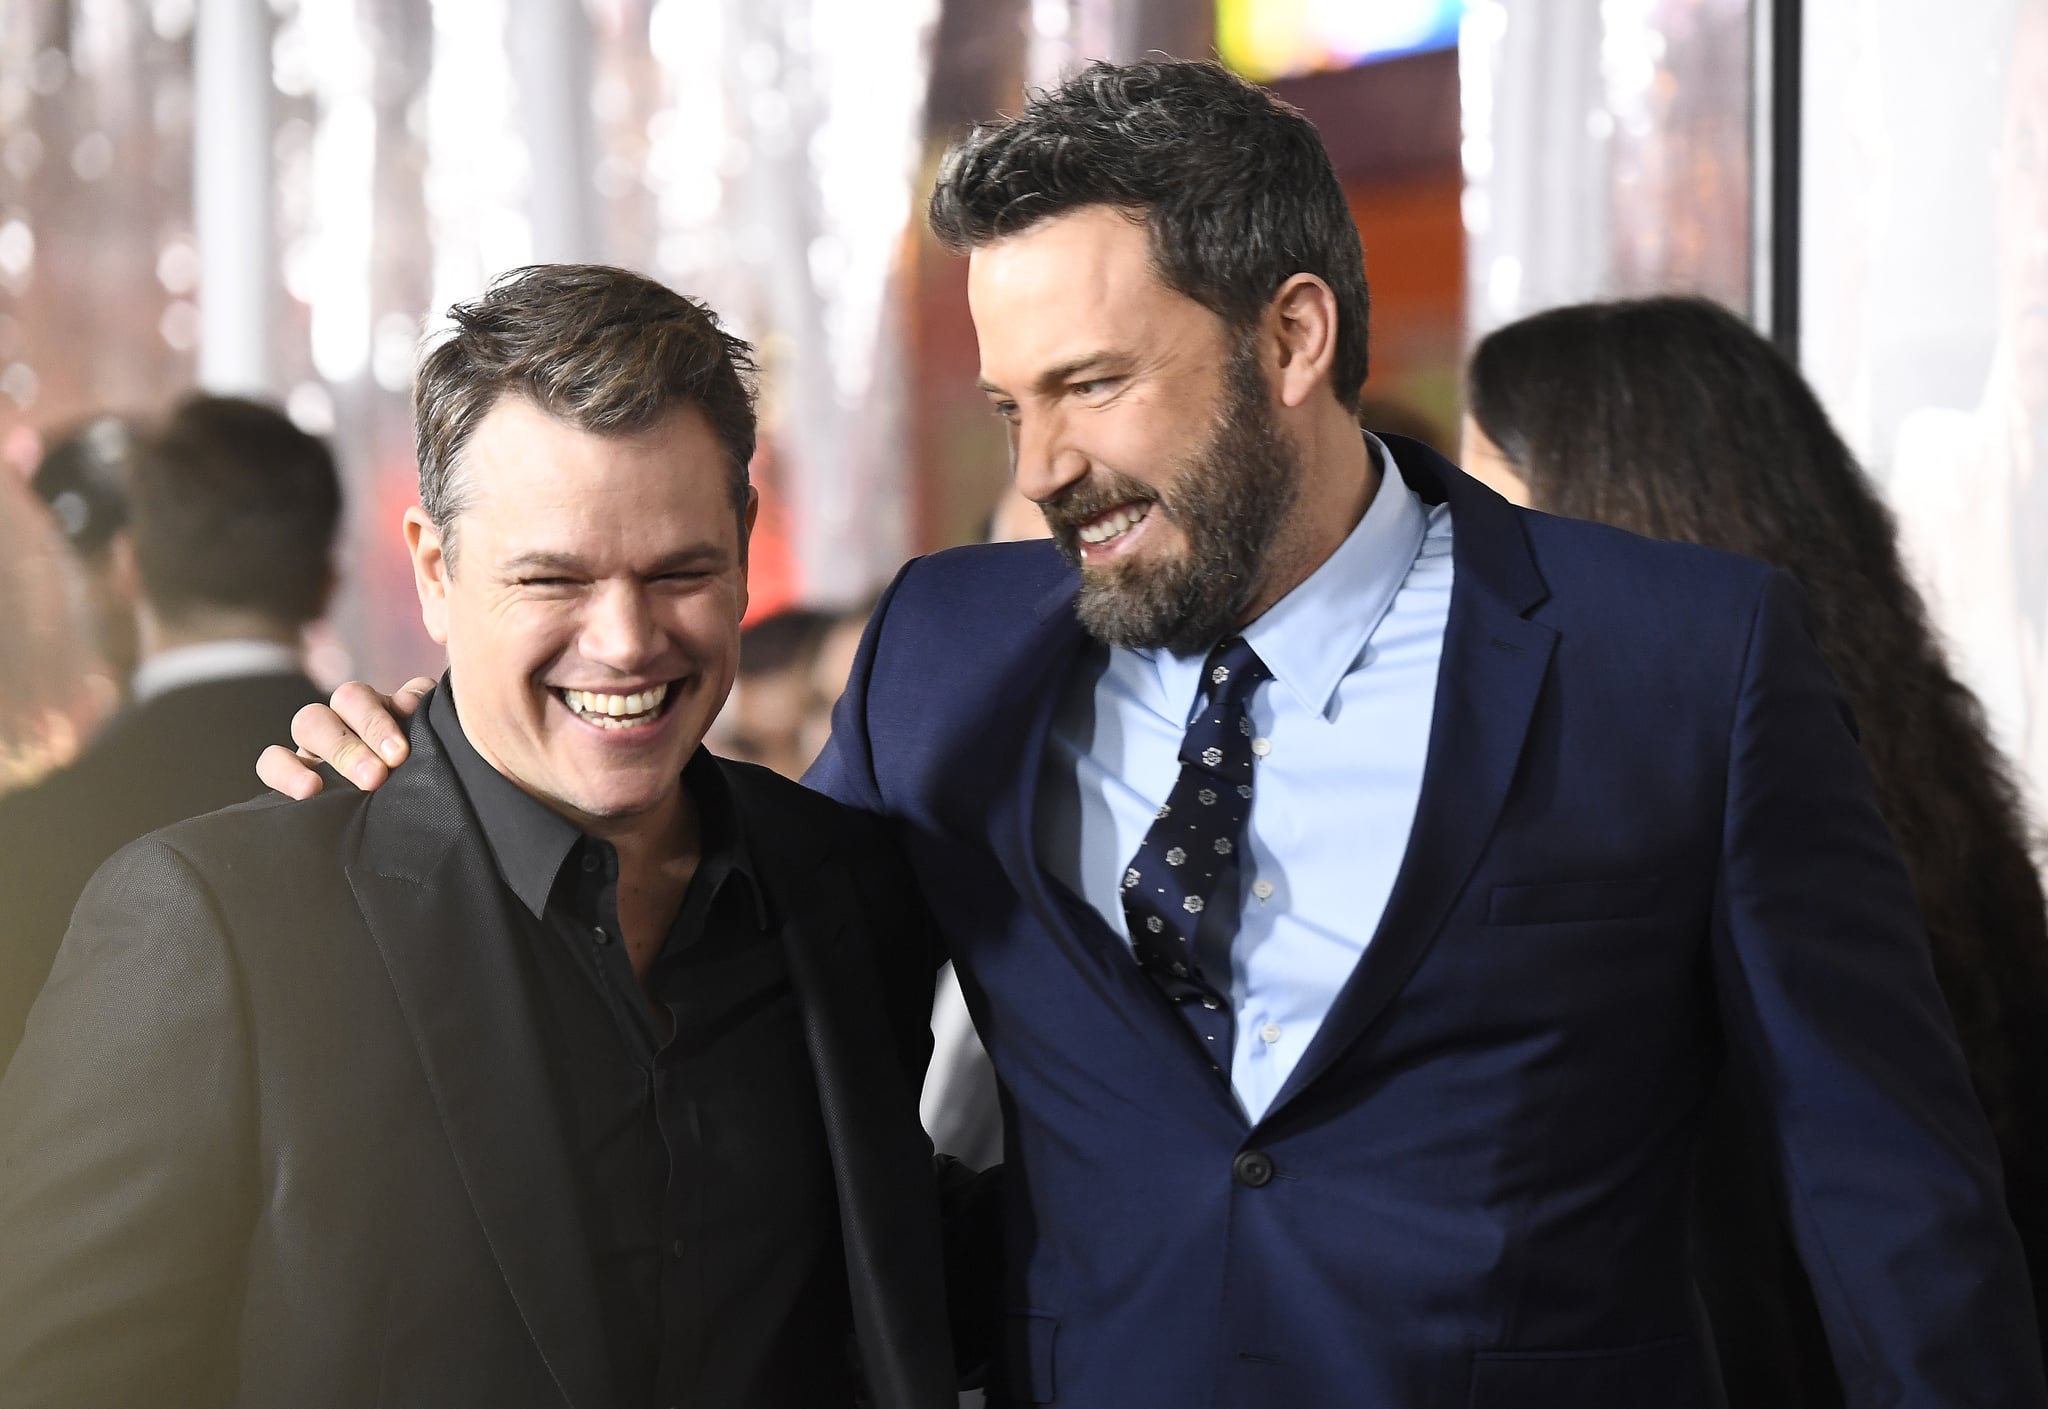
point(84, 480)
point(1671, 417)
point(235, 513)
point(766, 719)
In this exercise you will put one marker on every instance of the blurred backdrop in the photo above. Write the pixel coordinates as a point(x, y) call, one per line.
point(278, 196)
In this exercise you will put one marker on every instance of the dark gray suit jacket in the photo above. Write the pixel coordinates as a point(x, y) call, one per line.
point(185, 752)
point(278, 1132)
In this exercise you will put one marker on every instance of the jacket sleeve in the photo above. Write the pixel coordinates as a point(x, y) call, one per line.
point(1829, 1003)
point(126, 1171)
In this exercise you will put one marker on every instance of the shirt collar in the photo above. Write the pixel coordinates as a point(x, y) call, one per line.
point(208, 661)
point(1312, 637)
point(529, 840)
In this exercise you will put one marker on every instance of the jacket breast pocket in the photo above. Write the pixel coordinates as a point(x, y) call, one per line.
point(1661, 1374)
point(1573, 902)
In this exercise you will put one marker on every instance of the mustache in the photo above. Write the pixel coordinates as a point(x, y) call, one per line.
point(1091, 498)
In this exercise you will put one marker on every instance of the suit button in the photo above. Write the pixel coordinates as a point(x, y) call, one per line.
point(1253, 1169)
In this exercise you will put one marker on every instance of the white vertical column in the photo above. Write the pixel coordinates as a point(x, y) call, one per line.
point(550, 51)
point(231, 197)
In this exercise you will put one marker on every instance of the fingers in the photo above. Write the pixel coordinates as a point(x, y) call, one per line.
point(368, 719)
point(285, 771)
point(410, 696)
point(358, 733)
point(326, 735)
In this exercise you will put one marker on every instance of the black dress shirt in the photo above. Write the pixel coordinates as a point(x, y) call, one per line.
point(689, 1108)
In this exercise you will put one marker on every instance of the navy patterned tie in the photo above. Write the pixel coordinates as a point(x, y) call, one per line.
point(1192, 845)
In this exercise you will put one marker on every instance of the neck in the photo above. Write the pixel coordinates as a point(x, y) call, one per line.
point(157, 633)
point(654, 841)
point(1340, 474)
point(658, 856)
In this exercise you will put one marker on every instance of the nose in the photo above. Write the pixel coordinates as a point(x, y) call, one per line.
point(1043, 456)
point(620, 630)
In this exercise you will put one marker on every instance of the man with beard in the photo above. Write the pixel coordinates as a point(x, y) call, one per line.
point(1359, 882)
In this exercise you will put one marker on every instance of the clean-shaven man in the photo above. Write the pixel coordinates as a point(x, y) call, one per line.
point(577, 1067)
point(1360, 882)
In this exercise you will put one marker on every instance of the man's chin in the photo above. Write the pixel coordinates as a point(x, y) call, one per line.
point(616, 800)
point(1119, 613)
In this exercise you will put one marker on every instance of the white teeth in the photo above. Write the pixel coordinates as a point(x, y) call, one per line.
point(1117, 524)
point(603, 709)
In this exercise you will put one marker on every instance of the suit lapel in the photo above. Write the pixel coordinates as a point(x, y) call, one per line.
point(1043, 670)
point(1040, 671)
point(437, 912)
point(1493, 668)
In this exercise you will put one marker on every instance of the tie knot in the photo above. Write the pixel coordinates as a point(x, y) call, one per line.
point(1232, 670)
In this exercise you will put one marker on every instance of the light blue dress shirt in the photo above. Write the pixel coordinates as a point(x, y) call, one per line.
point(1340, 733)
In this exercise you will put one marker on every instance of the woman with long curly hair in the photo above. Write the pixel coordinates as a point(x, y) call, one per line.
point(1672, 418)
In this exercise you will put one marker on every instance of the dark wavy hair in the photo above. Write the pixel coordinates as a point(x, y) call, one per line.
point(234, 506)
point(1672, 418)
point(1234, 187)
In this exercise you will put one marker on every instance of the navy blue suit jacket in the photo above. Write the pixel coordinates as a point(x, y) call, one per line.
point(1646, 848)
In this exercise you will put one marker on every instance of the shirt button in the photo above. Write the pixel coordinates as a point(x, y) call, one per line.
point(676, 1247)
point(1211, 1004)
point(589, 862)
point(600, 935)
point(1263, 890)
point(1270, 1033)
point(1262, 747)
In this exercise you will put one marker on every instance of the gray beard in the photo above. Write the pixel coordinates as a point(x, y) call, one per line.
point(1229, 499)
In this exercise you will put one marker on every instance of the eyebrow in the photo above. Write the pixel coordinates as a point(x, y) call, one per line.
point(1064, 371)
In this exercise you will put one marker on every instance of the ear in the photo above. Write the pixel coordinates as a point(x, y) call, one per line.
point(1303, 317)
point(747, 519)
point(430, 571)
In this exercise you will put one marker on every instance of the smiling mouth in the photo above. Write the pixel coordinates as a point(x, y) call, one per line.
point(1107, 528)
point(616, 711)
